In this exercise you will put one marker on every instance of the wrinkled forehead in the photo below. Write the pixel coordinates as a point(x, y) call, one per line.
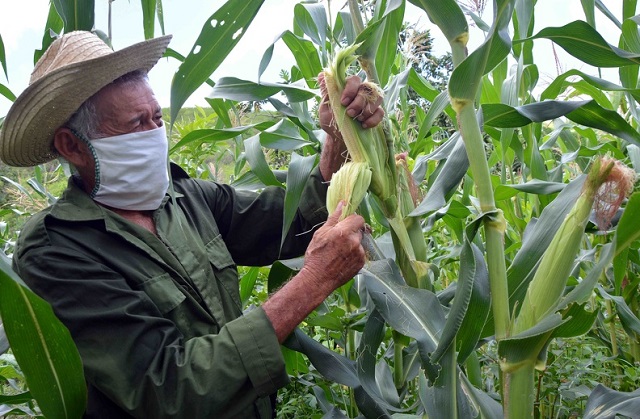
point(122, 103)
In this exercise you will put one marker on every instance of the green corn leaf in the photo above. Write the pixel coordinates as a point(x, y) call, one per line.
point(329, 410)
point(583, 42)
point(295, 362)
point(385, 53)
point(410, 311)
point(222, 108)
point(77, 15)
point(16, 398)
point(240, 90)
point(148, 17)
point(488, 407)
point(258, 162)
point(336, 368)
point(592, 115)
point(526, 346)
point(588, 6)
point(160, 12)
point(630, 34)
point(608, 13)
point(579, 322)
point(444, 398)
point(53, 26)
point(3, 58)
point(606, 403)
point(284, 135)
point(306, 56)
point(372, 337)
point(471, 266)
point(312, 19)
point(4, 91)
point(297, 176)
point(4, 342)
point(279, 274)
point(266, 58)
point(439, 104)
point(560, 84)
point(170, 52)
point(343, 28)
point(467, 76)
point(447, 15)
point(504, 116)
point(477, 311)
point(448, 179)
point(587, 113)
point(220, 34)
point(628, 319)
point(330, 364)
point(375, 38)
point(626, 235)
point(534, 186)
point(43, 348)
point(583, 291)
point(628, 230)
point(247, 283)
point(211, 136)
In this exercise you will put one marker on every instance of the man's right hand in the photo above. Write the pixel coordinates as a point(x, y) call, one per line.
point(335, 253)
point(334, 256)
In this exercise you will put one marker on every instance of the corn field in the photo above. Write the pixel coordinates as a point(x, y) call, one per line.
point(494, 241)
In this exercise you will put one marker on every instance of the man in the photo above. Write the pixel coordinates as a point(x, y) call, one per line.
point(147, 285)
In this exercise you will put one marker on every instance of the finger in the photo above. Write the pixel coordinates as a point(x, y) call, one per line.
point(334, 217)
point(374, 119)
point(350, 90)
point(353, 223)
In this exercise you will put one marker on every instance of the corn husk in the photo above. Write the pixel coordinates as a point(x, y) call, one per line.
point(349, 184)
point(364, 145)
point(548, 284)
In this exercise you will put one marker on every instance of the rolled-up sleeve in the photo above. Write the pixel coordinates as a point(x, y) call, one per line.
point(259, 351)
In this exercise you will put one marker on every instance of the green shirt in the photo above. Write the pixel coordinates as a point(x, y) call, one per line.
point(158, 319)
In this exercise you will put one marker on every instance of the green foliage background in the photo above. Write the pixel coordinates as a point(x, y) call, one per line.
point(363, 354)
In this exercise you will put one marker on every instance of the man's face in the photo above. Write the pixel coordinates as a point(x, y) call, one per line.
point(121, 109)
point(125, 108)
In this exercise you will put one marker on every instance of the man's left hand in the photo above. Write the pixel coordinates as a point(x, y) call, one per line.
point(356, 98)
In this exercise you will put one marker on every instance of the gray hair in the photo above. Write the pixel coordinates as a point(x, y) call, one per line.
point(86, 121)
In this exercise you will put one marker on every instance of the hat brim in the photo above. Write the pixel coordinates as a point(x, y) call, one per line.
point(26, 139)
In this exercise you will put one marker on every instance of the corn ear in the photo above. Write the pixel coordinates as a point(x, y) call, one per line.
point(364, 145)
point(349, 184)
point(548, 284)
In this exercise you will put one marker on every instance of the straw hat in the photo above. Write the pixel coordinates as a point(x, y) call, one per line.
point(74, 67)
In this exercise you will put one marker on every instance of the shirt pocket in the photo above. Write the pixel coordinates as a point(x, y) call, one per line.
point(218, 254)
point(224, 269)
point(163, 292)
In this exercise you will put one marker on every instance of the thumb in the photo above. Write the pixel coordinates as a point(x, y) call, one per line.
point(335, 215)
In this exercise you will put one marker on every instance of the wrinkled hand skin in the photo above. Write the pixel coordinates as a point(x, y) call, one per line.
point(335, 254)
point(353, 98)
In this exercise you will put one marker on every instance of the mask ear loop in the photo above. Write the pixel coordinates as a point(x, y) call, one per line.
point(96, 174)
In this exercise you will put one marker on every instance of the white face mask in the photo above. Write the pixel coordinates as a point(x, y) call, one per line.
point(131, 169)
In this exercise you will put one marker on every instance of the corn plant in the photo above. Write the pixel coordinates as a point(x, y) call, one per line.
point(445, 336)
point(484, 249)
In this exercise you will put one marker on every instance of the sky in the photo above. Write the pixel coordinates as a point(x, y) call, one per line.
point(22, 23)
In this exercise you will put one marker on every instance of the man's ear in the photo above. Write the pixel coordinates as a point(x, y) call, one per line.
point(72, 148)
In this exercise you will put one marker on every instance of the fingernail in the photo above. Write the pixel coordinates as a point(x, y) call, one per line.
point(351, 112)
